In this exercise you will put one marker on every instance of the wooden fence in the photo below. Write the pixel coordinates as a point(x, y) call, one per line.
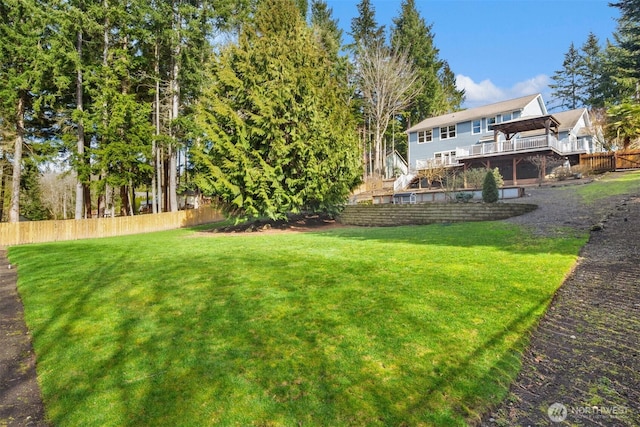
point(611, 161)
point(70, 229)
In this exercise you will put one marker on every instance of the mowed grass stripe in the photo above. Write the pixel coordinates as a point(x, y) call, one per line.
point(352, 326)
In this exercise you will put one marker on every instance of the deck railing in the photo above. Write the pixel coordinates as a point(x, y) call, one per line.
point(432, 163)
point(565, 146)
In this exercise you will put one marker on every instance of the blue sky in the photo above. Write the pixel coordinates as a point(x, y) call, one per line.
point(499, 49)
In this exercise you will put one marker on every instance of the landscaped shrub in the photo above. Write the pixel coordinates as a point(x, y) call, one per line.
point(474, 178)
point(464, 197)
point(490, 189)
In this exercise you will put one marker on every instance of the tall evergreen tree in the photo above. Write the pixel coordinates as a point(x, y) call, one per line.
point(24, 65)
point(629, 36)
point(326, 28)
point(453, 97)
point(365, 30)
point(567, 89)
point(438, 93)
point(278, 135)
point(590, 69)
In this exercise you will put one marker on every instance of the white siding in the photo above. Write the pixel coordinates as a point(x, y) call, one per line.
point(534, 108)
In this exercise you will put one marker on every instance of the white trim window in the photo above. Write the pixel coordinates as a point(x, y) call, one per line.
point(425, 136)
point(490, 122)
point(448, 132)
point(476, 127)
point(506, 117)
point(445, 157)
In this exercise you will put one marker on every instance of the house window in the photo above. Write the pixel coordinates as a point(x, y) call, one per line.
point(476, 127)
point(445, 157)
point(490, 122)
point(448, 132)
point(506, 117)
point(425, 136)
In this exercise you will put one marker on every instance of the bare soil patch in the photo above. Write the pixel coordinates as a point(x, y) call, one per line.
point(293, 224)
point(20, 399)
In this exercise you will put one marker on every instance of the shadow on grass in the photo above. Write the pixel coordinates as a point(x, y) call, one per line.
point(219, 346)
point(499, 235)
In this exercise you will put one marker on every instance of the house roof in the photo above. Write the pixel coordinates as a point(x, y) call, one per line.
point(569, 119)
point(475, 113)
point(527, 124)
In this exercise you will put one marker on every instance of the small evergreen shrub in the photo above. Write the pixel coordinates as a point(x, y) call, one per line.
point(464, 197)
point(490, 188)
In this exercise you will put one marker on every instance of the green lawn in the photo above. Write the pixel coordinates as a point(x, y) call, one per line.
point(610, 185)
point(418, 325)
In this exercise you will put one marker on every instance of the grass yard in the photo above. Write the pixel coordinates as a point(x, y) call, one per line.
point(417, 325)
point(610, 185)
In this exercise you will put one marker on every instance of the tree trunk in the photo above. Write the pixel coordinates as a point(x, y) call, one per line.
point(2, 188)
point(14, 210)
point(124, 200)
point(173, 151)
point(154, 144)
point(80, 188)
point(175, 111)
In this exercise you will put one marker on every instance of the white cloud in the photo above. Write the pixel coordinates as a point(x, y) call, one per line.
point(486, 92)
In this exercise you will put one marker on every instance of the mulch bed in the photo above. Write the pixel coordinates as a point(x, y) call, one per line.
point(300, 222)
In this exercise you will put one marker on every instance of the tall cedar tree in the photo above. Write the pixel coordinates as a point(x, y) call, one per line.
point(278, 135)
point(568, 84)
point(438, 94)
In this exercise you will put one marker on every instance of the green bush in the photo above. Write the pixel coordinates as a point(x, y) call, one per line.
point(464, 197)
point(475, 177)
point(490, 188)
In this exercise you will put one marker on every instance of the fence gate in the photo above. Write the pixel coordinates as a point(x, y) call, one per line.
point(629, 159)
point(611, 161)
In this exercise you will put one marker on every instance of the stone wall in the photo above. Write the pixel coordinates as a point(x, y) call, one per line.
point(429, 213)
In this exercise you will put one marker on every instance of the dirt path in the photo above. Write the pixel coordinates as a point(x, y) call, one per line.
point(20, 400)
point(583, 364)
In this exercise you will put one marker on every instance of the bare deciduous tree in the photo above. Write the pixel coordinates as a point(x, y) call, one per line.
point(433, 174)
point(58, 194)
point(388, 83)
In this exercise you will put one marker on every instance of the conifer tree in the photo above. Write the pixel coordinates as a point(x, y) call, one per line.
point(438, 93)
point(365, 30)
point(590, 70)
point(326, 28)
point(278, 136)
point(628, 36)
point(490, 193)
point(568, 84)
point(24, 65)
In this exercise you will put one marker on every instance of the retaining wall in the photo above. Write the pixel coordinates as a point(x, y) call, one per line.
point(429, 213)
